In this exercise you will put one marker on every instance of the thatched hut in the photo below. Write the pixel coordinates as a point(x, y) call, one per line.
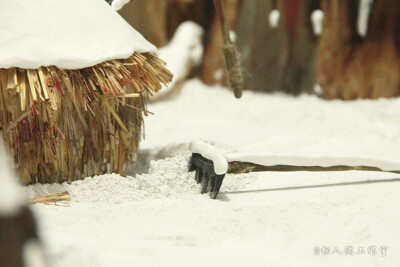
point(74, 78)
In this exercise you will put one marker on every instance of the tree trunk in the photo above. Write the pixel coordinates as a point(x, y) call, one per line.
point(149, 17)
point(213, 61)
point(281, 58)
point(350, 66)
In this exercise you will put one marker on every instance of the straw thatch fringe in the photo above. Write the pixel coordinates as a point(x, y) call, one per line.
point(63, 125)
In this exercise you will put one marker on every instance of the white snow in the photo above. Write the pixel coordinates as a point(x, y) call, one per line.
point(184, 52)
point(363, 16)
point(156, 177)
point(219, 74)
point(317, 17)
point(69, 34)
point(318, 90)
point(274, 159)
point(11, 195)
point(118, 4)
point(259, 219)
point(211, 153)
point(274, 17)
point(233, 36)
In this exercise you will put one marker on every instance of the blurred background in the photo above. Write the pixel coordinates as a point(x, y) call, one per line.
point(345, 49)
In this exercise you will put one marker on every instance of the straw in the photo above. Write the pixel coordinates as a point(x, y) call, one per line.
point(63, 125)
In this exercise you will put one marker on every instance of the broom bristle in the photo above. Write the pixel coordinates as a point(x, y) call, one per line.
point(63, 125)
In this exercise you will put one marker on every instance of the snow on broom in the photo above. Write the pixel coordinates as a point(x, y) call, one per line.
point(74, 78)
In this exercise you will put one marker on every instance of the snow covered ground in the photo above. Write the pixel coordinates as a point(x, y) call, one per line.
point(156, 217)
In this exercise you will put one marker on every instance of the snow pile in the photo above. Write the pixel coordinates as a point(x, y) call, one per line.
point(69, 34)
point(10, 191)
point(165, 178)
point(184, 52)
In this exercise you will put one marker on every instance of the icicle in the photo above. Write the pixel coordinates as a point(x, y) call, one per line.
point(317, 18)
point(363, 16)
point(274, 17)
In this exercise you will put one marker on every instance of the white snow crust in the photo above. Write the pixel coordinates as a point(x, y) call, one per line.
point(11, 194)
point(274, 17)
point(211, 153)
point(317, 17)
point(69, 34)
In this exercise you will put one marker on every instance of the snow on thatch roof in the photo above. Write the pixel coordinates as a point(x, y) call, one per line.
point(74, 81)
point(69, 34)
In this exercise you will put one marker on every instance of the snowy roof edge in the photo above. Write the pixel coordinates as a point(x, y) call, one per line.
point(68, 34)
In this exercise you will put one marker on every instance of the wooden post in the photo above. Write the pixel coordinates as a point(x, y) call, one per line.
point(149, 17)
point(351, 66)
point(279, 58)
point(213, 61)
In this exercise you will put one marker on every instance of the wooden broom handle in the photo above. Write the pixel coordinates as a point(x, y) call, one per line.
point(231, 56)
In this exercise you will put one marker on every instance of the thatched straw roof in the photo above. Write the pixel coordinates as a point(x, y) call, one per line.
point(74, 80)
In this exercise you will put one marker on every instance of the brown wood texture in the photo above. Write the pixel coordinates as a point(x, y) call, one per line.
point(281, 58)
point(15, 231)
point(213, 60)
point(351, 67)
point(290, 58)
point(149, 18)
